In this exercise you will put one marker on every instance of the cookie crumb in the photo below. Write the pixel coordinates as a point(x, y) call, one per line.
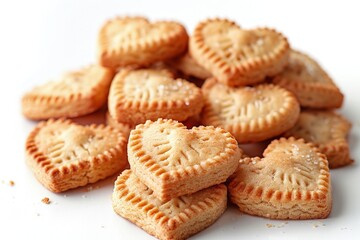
point(11, 183)
point(268, 225)
point(46, 200)
point(281, 225)
point(84, 196)
point(318, 224)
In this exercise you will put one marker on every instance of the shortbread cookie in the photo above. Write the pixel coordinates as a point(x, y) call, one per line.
point(172, 160)
point(136, 41)
point(237, 56)
point(292, 181)
point(64, 155)
point(138, 95)
point(188, 66)
point(178, 218)
point(309, 82)
point(125, 128)
point(328, 131)
point(75, 94)
point(251, 114)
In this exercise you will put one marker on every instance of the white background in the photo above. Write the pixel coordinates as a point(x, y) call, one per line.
point(41, 39)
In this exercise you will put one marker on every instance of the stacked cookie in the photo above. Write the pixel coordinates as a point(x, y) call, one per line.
point(174, 188)
point(254, 88)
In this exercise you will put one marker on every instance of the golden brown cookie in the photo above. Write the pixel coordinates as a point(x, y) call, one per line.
point(136, 41)
point(291, 181)
point(122, 127)
point(236, 56)
point(64, 155)
point(138, 95)
point(328, 131)
point(188, 66)
point(309, 82)
point(75, 94)
point(178, 218)
point(251, 114)
point(172, 160)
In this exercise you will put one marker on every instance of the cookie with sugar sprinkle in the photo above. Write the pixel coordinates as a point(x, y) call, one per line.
point(147, 94)
point(236, 56)
point(173, 160)
point(291, 181)
point(251, 114)
point(328, 131)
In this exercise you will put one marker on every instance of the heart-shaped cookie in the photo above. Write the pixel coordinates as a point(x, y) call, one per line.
point(173, 161)
point(251, 114)
point(74, 94)
point(291, 181)
point(65, 155)
point(138, 95)
point(309, 82)
point(237, 56)
point(178, 218)
point(136, 41)
point(328, 131)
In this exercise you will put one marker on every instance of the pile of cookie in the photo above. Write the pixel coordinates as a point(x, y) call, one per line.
point(178, 108)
